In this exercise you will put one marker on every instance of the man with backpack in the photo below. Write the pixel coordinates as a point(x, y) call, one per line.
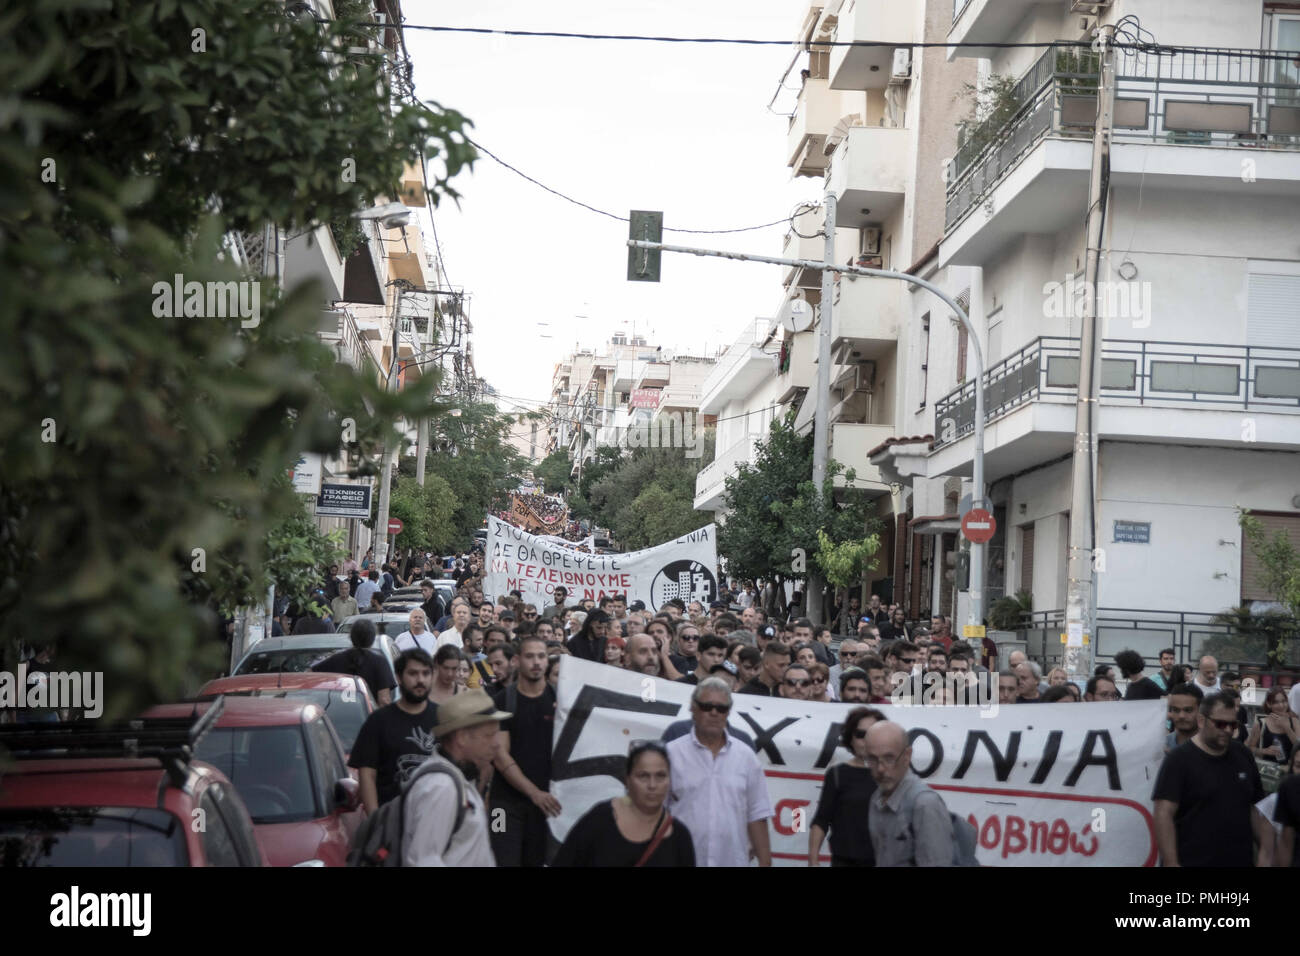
point(396, 739)
point(445, 821)
point(909, 823)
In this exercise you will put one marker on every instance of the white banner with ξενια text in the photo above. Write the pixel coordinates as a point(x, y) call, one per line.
point(1044, 784)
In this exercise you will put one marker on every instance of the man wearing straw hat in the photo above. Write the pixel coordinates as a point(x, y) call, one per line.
point(446, 823)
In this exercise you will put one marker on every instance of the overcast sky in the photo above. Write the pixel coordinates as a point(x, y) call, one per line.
point(682, 128)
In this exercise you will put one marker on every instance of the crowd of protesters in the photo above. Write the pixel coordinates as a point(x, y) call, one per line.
point(1227, 793)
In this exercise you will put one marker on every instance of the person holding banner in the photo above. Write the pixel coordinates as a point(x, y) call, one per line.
point(636, 829)
point(718, 787)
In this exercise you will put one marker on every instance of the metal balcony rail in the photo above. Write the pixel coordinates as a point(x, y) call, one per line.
point(1191, 635)
point(1207, 97)
point(1133, 373)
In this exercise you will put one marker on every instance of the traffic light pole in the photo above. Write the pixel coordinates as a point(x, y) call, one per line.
point(977, 550)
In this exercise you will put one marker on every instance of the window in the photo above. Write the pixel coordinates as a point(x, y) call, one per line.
point(925, 355)
point(91, 836)
point(268, 766)
point(327, 761)
point(217, 842)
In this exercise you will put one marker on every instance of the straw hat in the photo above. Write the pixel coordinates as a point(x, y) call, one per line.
point(467, 709)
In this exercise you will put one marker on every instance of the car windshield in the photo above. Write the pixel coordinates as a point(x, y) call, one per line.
point(294, 661)
point(345, 709)
point(268, 766)
point(91, 836)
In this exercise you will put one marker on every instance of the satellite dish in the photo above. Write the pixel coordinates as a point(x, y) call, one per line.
point(797, 316)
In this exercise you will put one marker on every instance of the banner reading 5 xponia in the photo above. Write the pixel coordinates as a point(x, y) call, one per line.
point(1045, 785)
point(517, 560)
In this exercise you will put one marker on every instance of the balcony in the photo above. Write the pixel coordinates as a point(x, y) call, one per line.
point(625, 375)
point(1220, 101)
point(869, 175)
point(815, 115)
point(315, 256)
point(988, 21)
point(804, 241)
point(654, 375)
point(797, 365)
point(1147, 389)
point(849, 446)
point(866, 315)
point(406, 256)
point(870, 67)
point(740, 370)
point(710, 483)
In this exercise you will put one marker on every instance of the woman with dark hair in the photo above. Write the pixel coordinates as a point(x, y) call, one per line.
point(1276, 730)
point(361, 661)
point(446, 668)
point(846, 799)
point(635, 829)
point(589, 642)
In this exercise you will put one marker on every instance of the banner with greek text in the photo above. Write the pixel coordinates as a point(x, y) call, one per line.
point(518, 560)
point(1043, 784)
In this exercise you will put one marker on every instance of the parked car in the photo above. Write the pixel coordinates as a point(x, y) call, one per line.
point(390, 623)
point(346, 699)
point(88, 793)
point(297, 654)
point(286, 761)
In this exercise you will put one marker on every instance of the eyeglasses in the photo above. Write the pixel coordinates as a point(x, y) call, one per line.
point(886, 761)
point(1225, 724)
point(798, 683)
point(709, 708)
point(688, 637)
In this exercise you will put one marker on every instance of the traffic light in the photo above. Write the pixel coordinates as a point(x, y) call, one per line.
point(643, 264)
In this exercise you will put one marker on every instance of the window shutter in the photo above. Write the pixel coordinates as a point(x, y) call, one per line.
point(1273, 311)
point(1251, 569)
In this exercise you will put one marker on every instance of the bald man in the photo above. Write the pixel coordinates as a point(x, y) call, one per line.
point(908, 822)
point(1207, 676)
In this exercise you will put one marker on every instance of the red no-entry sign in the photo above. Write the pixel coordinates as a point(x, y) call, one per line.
point(394, 525)
point(978, 525)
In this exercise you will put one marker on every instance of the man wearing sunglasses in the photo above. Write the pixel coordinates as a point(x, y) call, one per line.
point(797, 683)
point(1205, 796)
point(718, 789)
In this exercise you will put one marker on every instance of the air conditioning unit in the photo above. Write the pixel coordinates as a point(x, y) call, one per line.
point(870, 241)
point(1088, 6)
point(902, 63)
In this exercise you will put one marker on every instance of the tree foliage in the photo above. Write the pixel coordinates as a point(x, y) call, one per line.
point(427, 513)
point(131, 442)
point(1279, 563)
point(553, 472)
point(646, 496)
point(775, 513)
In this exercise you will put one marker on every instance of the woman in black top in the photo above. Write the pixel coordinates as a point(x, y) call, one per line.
point(1275, 733)
point(846, 799)
point(621, 832)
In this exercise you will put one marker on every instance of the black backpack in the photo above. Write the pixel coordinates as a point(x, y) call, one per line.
point(378, 841)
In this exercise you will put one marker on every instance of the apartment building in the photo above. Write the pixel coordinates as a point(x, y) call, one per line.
point(1199, 409)
point(601, 398)
point(873, 123)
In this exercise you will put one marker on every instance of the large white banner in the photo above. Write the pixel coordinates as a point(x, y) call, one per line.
point(517, 560)
point(1043, 784)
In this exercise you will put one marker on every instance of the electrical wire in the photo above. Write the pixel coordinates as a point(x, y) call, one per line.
point(601, 212)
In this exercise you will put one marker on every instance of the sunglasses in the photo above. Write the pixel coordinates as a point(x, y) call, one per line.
point(713, 708)
point(688, 637)
point(798, 683)
point(1226, 724)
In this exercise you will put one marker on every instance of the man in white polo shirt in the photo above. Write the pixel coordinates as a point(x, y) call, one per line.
point(417, 634)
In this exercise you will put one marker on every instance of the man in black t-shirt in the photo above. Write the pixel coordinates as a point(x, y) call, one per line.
point(1205, 796)
point(396, 739)
point(712, 651)
point(362, 661)
point(776, 660)
point(523, 762)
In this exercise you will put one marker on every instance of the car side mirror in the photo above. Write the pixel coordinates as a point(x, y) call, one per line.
point(347, 795)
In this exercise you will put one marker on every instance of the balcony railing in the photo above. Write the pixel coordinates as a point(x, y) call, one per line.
point(724, 464)
point(1206, 97)
point(1132, 373)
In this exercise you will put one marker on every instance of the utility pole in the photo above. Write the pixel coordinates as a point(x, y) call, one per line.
point(390, 450)
point(1081, 593)
point(422, 450)
point(813, 598)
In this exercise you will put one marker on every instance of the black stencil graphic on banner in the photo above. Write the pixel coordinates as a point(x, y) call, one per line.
point(686, 581)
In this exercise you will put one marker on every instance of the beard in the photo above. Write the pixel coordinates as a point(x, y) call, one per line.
point(414, 695)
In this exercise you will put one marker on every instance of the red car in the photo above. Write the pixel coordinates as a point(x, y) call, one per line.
point(88, 793)
point(286, 761)
point(345, 699)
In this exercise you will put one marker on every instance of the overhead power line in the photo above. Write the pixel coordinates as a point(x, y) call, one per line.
point(601, 212)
